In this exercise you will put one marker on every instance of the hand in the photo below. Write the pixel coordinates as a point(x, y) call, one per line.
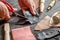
point(4, 13)
point(9, 6)
point(27, 4)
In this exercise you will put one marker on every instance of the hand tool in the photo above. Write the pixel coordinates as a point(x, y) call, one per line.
point(55, 19)
point(52, 4)
point(18, 15)
point(42, 5)
point(6, 31)
point(10, 7)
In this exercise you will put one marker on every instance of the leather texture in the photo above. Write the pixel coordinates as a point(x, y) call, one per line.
point(43, 24)
point(23, 33)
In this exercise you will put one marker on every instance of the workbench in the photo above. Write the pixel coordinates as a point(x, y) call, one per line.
point(50, 13)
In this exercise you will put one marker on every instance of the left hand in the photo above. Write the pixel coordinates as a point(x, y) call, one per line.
point(4, 13)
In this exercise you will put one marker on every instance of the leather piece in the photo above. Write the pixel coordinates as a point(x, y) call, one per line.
point(23, 33)
point(47, 34)
point(43, 24)
point(24, 18)
point(55, 25)
point(30, 18)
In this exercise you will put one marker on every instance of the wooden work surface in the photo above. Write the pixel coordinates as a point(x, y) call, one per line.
point(50, 13)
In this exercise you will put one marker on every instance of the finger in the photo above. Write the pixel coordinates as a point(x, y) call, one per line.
point(23, 10)
point(34, 6)
point(4, 11)
point(41, 7)
point(32, 11)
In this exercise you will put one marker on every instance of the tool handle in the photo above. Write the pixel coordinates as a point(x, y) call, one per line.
point(7, 36)
point(42, 5)
point(6, 30)
point(52, 3)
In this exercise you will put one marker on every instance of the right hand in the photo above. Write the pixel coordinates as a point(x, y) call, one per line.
point(27, 4)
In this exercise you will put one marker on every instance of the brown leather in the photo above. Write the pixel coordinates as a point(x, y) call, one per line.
point(23, 33)
point(55, 25)
point(43, 24)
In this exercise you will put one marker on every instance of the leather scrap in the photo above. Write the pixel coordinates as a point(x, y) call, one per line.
point(55, 25)
point(47, 34)
point(22, 19)
point(30, 18)
point(26, 17)
point(23, 33)
point(43, 24)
